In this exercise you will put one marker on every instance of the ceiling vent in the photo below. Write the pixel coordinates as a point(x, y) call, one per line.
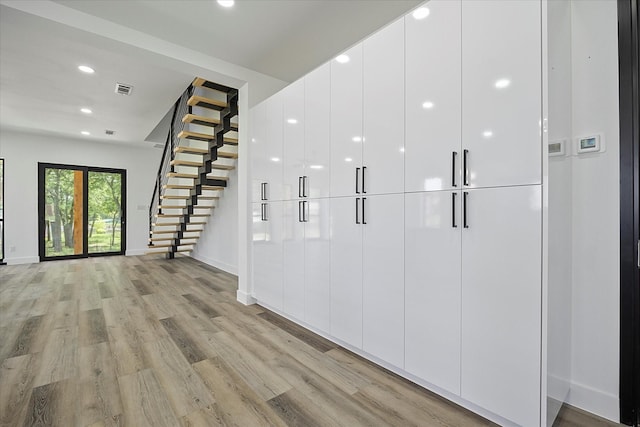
point(109, 132)
point(123, 89)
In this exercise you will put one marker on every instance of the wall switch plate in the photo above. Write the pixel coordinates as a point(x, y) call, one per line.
point(557, 147)
point(588, 144)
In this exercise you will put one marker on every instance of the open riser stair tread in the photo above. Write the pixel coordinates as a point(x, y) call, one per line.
point(204, 102)
point(205, 121)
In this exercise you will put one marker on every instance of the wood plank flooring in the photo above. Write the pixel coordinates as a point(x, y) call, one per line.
point(144, 341)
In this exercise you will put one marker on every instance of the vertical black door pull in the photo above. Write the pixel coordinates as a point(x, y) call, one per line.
point(305, 209)
point(300, 215)
point(357, 210)
point(453, 210)
point(464, 209)
point(363, 189)
point(364, 221)
point(357, 180)
point(465, 169)
point(304, 186)
point(453, 168)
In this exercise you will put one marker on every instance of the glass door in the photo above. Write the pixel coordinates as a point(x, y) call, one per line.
point(105, 222)
point(81, 211)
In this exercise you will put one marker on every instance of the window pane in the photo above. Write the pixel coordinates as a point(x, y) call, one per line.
point(63, 212)
point(105, 201)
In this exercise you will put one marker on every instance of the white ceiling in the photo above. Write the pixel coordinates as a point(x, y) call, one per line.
point(159, 46)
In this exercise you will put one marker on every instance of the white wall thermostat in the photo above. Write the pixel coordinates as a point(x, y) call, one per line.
point(589, 144)
point(557, 148)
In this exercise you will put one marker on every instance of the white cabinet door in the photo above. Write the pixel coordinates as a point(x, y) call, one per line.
point(383, 94)
point(501, 92)
point(346, 271)
point(383, 277)
point(433, 103)
point(259, 166)
point(273, 147)
point(501, 302)
point(293, 139)
point(317, 272)
point(317, 135)
point(293, 259)
point(433, 287)
point(346, 121)
point(267, 255)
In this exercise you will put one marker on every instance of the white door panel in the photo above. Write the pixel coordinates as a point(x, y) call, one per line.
point(293, 124)
point(317, 134)
point(433, 98)
point(346, 121)
point(501, 92)
point(383, 117)
point(383, 277)
point(501, 302)
point(273, 150)
point(267, 254)
point(293, 259)
point(346, 272)
point(317, 276)
point(433, 287)
point(258, 152)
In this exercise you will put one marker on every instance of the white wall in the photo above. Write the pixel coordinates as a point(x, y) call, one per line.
point(596, 254)
point(23, 151)
point(218, 243)
point(560, 210)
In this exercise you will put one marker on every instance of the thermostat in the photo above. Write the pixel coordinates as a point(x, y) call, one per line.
point(557, 148)
point(589, 144)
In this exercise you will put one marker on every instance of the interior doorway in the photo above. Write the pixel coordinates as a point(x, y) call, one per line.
point(81, 211)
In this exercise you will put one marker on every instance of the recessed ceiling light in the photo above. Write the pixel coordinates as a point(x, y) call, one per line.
point(226, 3)
point(421, 13)
point(84, 132)
point(86, 110)
point(343, 59)
point(86, 69)
point(292, 121)
point(502, 83)
point(427, 105)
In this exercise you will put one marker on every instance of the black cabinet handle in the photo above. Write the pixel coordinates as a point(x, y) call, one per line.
point(299, 186)
point(453, 210)
point(453, 168)
point(300, 215)
point(305, 209)
point(304, 186)
point(464, 209)
point(364, 221)
point(357, 210)
point(465, 169)
point(357, 177)
point(263, 211)
point(363, 190)
point(262, 191)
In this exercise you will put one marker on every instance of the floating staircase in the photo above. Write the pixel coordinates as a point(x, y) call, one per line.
point(200, 151)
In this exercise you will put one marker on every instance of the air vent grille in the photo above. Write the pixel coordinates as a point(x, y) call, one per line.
point(109, 132)
point(123, 89)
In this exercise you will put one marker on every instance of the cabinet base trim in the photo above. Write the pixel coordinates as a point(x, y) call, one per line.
point(595, 401)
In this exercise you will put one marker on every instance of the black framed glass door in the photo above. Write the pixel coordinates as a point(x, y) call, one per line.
point(81, 211)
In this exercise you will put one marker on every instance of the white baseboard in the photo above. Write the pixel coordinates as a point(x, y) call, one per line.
point(232, 269)
point(135, 252)
point(595, 401)
point(22, 260)
point(245, 298)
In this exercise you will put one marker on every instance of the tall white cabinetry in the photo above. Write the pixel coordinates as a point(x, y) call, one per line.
point(473, 221)
point(306, 209)
point(410, 207)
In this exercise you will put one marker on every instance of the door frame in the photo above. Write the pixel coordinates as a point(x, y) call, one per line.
point(629, 76)
point(85, 211)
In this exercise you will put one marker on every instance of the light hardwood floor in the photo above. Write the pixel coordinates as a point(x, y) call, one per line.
point(144, 341)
